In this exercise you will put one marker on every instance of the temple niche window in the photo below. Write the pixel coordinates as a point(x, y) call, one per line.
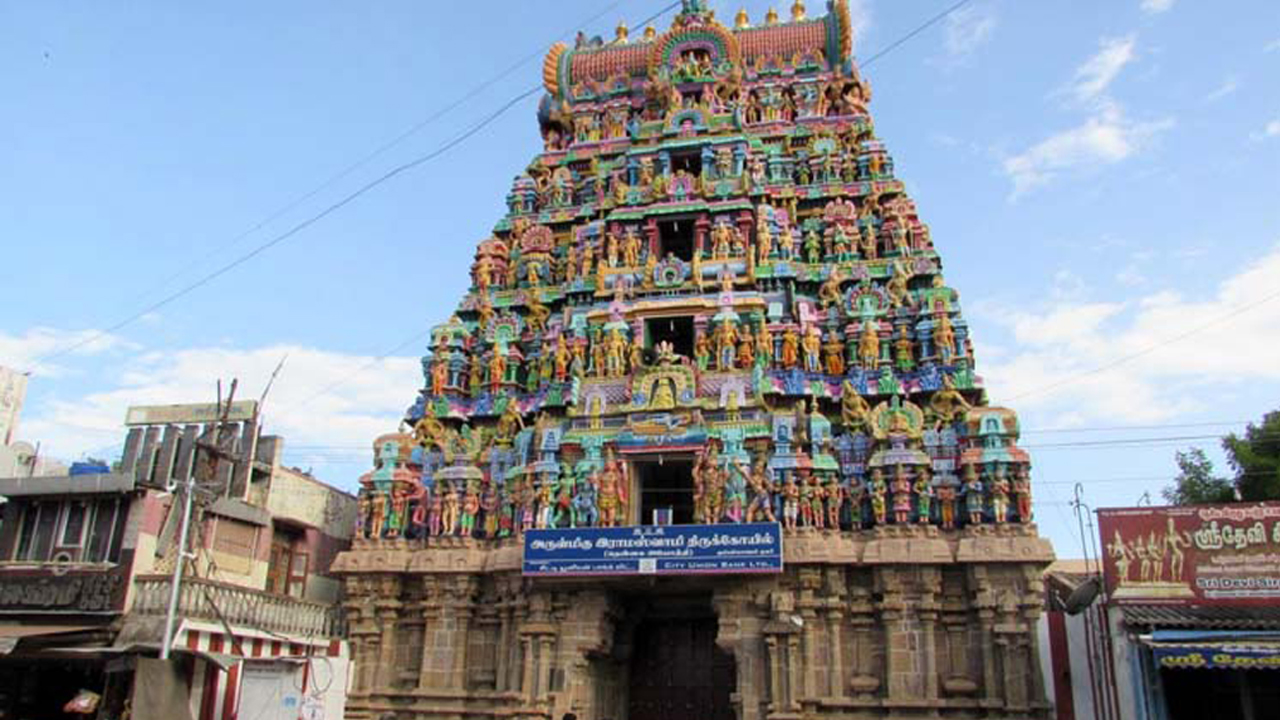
point(666, 491)
point(676, 330)
point(690, 161)
point(675, 237)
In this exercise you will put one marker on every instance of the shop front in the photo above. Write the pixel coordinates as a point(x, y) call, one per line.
point(1197, 589)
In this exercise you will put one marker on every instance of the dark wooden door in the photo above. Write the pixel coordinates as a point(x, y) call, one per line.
point(678, 672)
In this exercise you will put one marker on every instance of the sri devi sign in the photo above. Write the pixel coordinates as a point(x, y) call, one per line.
point(1201, 554)
point(655, 550)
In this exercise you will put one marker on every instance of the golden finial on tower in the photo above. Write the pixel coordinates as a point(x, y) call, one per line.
point(650, 33)
point(742, 21)
point(621, 37)
point(797, 11)
point(771, 17)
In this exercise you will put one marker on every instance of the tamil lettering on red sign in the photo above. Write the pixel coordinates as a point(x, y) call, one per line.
point(1202, 554)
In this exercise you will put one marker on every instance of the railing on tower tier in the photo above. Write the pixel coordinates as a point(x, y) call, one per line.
point(239, 606)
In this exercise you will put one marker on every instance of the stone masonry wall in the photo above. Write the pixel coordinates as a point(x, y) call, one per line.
point(913, 634)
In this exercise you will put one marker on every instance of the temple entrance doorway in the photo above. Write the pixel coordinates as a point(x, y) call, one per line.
point(676, 669)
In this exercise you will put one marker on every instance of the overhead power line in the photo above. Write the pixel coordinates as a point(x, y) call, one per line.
point(881, 53)
point(297, 228)
point(1239, 310)
point(222, 270)
point(376, 152)
point(919, 29)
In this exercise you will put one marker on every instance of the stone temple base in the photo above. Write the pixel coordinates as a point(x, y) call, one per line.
point(896, 622)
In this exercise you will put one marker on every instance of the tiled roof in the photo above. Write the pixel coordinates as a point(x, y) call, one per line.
point(633, 59)
point(783, 40)
point(628, 60)
point(1180, 616)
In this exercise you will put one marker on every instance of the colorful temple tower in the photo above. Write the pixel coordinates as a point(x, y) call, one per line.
point(711, 303)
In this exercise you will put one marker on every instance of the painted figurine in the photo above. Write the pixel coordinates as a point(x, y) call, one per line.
point(973, 500)
point(835, 496)
point(1000, 495)
point(761, 506)
point(947, 506)
point(1022, 493)
point(924, 496)
point(877, 490)
point(790, 503)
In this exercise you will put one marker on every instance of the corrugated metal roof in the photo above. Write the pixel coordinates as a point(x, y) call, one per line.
point(1255, 617)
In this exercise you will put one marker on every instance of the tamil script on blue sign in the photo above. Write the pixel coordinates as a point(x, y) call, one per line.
point(1256, 656)
point(655, 550)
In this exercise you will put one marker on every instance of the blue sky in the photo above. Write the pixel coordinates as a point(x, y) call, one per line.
point(1101, 177)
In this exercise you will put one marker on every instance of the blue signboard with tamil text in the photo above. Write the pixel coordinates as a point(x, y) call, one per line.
point(655, 550)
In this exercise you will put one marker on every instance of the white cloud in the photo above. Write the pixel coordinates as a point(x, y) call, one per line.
point(1227, 87)
point(369, 399)
point(1095, 75)
point(1271, 130)
point(1131, 276)
point(1155, 7)
point(1272, 46)
point(1105, 138)
point(1156, 375)
point(37, 348)
point(968, 29)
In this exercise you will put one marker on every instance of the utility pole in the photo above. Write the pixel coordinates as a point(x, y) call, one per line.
point(175, 584)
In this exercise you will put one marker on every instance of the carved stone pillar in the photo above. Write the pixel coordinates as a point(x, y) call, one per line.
point(740, 633)
point(865, 680)
point(782, 638)
point(794, 670)
point(901, 649)
point(701, 227)
point(746, 226)
point(927, 612)
point(1030, 608)
point(503, 651)
point(527, 689)
point(984, 606)
point(651, 234)
point(431, 617)
point(387, 610)
point(545, 665)
point(773, 646)
point(835, 653)
point(814, 646)
point(461, 608)
point(369, 673)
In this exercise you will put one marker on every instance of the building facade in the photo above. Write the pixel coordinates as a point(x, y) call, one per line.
point(710, 309)
point(1181, 621)
point(87, 570)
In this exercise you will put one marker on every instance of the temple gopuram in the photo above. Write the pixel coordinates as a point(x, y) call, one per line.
point(705, 438)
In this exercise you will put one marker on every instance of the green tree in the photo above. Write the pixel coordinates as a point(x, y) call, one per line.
point(1255, 458)
point(1196, 483)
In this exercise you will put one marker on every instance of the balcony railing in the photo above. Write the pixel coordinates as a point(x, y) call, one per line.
point(239, 606)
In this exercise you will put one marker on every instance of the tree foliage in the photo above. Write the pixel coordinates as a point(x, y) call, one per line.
point(1196, 483)
point(1254, 458)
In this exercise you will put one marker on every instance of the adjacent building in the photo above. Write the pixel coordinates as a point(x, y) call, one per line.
point(87, 569)
point(19, 458)
point(1177, 619)
point(705, 437)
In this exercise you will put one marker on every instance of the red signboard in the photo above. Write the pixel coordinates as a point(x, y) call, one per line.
point(1196, 554)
